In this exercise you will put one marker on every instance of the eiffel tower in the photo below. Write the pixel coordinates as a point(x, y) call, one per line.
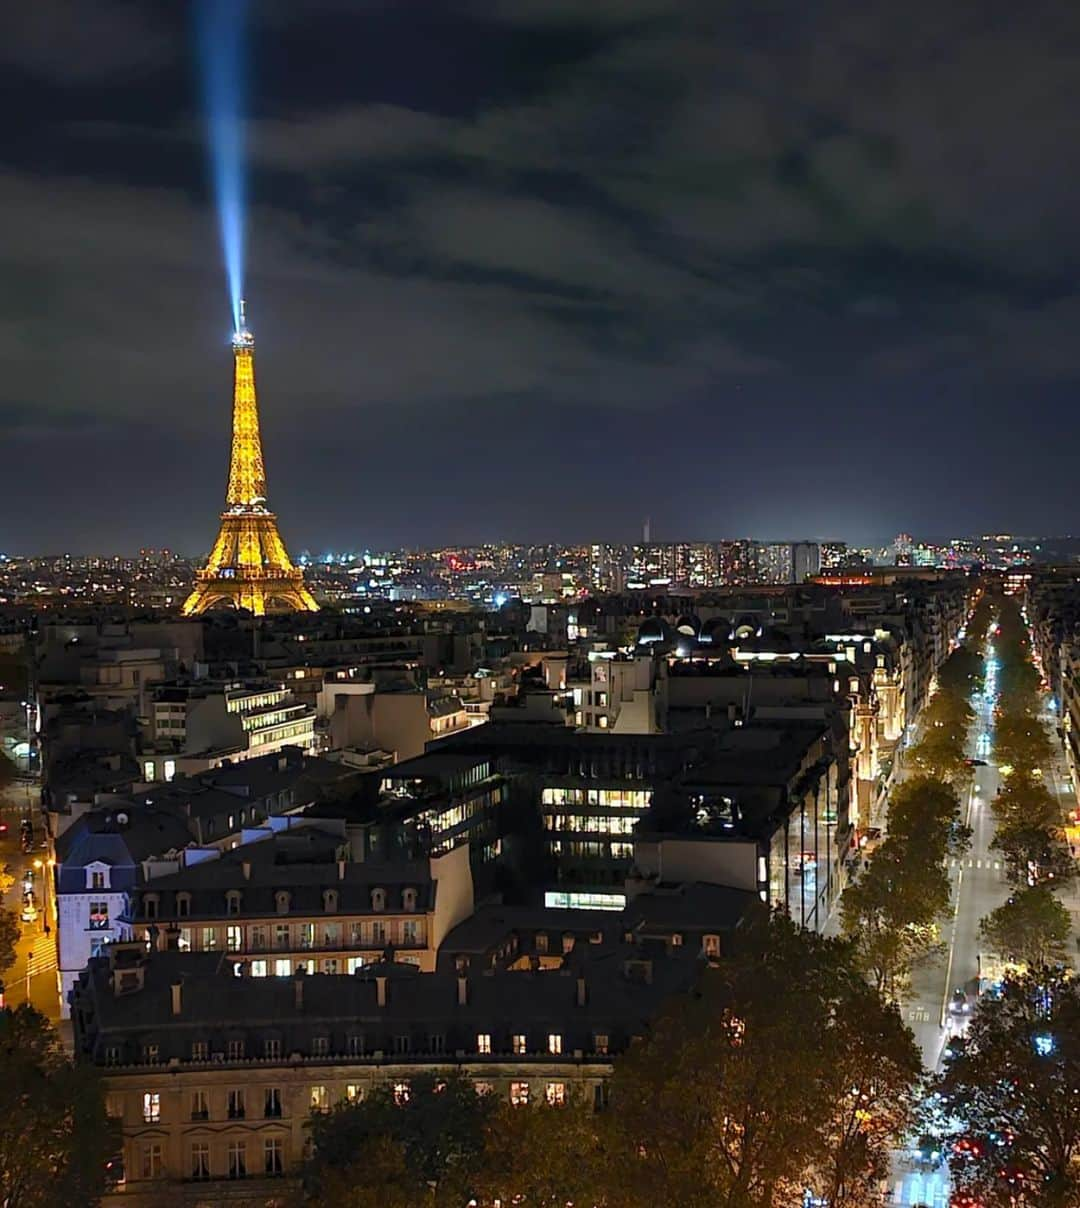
point(248, 566)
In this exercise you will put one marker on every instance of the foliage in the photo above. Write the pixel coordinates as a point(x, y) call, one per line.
point(55, 1138)
point(1034, 851)
point(891, 912)
point(1011, 1092)
point(10, 930)
point(377, 1176)
point(546, 1156)
point(1030, 928)
point(927, 812)
point(438, 1131)
point(786, 1070)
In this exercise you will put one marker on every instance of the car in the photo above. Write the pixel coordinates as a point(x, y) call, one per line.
point(976, 763)
point(29, 913)
point(959, 1004)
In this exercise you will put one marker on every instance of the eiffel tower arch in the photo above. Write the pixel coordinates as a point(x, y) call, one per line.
point(248, 566)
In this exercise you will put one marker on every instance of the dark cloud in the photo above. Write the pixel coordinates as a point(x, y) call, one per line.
point(536, 268)
point(78, 42)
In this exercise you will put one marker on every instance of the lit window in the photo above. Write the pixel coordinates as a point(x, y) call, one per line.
point(235, 1050)
point(354, 1092)
point(520, 1046)
point(150, 1053)
point(483, 1042)
point(554, 1043)
point(170, 769)
point(484, 1088)
point(234, 938)
point(282, 967)
point(401, 1093)
point(209, 938)
point(258, 968)
point(99, 916)
point(519, 1094)
point(151, 1107)
point(711, 944)
point(320, 1099)
point(555, 1094)
point(601, 1043)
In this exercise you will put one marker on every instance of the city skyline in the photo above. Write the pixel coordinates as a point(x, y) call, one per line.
point(497, 251)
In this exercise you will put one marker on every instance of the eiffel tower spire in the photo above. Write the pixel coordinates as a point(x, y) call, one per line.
point(248, 566)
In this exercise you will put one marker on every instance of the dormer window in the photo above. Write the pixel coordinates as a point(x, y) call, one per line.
point(378, 899)
point(183, 905)
point(282, 900)
point(408, 898)
point(232, 901)
point(150, 905)
point(330, 900)
point(541, 941)
point(97, 878)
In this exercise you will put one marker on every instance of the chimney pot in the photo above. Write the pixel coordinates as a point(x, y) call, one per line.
point(581, 992)
point(380, 991)
point(177, 997)
point(462, 991)
point(246, 866)
point(341, 870)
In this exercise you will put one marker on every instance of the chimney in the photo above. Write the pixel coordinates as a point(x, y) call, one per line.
point(246, 866)
point(380, 990)
point(581, 995)
point(462, 991)
point(177, 997)
point(341, 870)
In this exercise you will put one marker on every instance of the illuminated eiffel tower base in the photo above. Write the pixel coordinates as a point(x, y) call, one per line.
point(248, 566)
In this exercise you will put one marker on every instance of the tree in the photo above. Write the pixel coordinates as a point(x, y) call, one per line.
point(437, 1123)
point(546, 1156)
point(785, 1070)
point(1034, 852)
point(926, 812)
point(890, 913)
point(1030, 928)
point(10, 931)
point(1011, 1093)
point(55, 1138)
point(378, 1176)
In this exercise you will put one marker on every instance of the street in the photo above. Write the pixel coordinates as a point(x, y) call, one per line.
point(34, 967)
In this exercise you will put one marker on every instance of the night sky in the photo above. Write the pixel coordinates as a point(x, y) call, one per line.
point(533, 269)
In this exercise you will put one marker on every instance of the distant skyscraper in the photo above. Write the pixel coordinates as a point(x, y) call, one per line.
point(805, 560)
point(773, 562)
point(248, 566)
point(833, 554)
point(736, 562)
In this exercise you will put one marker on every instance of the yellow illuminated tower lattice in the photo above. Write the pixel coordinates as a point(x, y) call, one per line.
point(248, 566)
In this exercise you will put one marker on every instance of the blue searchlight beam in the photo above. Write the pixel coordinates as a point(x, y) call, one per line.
point(220, 26)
